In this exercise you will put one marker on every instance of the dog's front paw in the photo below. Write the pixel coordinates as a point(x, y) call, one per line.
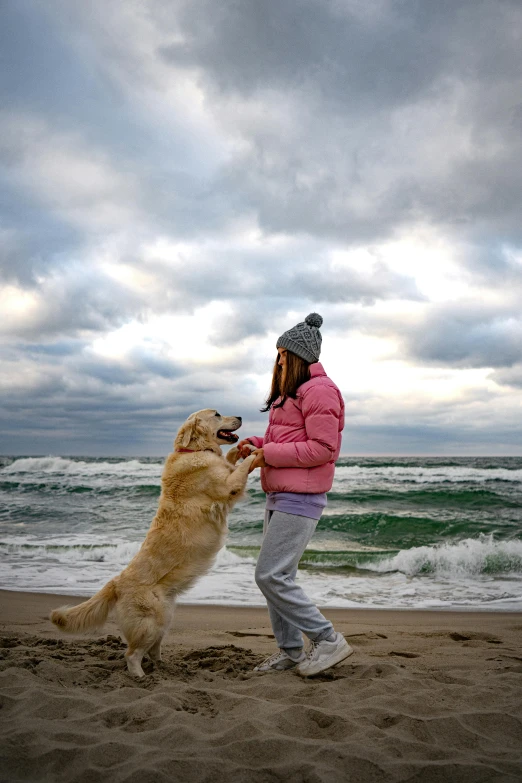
point(232, 455)
point(248, 461)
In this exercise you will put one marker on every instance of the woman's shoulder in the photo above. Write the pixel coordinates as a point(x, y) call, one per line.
point(316, 384)
point(319, 392)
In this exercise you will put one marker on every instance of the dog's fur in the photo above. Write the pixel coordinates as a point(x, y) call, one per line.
point(199, 487)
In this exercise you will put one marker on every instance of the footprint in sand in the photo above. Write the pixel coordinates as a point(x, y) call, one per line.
point(376, 670)
point(6, 641)
point(474, 637)
point(365, 638)
point(404, 654)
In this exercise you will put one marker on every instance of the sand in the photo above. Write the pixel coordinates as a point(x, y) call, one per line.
point(427, 697)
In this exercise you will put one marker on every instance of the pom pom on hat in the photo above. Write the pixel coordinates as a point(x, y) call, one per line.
point(314, 319)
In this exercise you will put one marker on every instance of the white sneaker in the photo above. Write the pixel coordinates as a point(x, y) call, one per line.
point(279, 661)
point(323, 655)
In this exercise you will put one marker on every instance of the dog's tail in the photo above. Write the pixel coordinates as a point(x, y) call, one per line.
point(91, 614)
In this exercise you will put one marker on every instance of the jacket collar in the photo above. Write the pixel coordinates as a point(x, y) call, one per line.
point(316, 370)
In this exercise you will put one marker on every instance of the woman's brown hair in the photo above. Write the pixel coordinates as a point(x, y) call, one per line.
point(297, 373)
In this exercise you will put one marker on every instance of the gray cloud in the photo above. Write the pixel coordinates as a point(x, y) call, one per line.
point(347, 120)
point(72, 302)
point(74, 298)
point(368, 120)
point(511, 376)
point(302, 273)
point(100, 406)
point(327, 49)
point(465, 335)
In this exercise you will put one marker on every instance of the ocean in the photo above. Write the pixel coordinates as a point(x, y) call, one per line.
point(409, 532)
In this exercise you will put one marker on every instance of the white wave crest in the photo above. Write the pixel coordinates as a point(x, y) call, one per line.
point(470, 557)
point(425, 475)
point(118, 555)
point(61, 465)
point(356, 475)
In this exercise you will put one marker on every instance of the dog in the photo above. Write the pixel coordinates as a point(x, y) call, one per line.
point(198, 488)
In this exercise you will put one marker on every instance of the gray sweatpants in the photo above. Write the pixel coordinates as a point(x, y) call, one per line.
point(292, 613)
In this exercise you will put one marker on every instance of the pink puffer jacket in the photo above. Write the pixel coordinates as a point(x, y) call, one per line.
point(303, 438)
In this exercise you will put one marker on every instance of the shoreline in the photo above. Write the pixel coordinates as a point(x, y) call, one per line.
point(20, 607)
point(28, 612)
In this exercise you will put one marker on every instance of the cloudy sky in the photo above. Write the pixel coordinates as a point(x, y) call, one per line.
point(183, 180)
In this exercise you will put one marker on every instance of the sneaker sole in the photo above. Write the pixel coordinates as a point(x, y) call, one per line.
point(342, 656)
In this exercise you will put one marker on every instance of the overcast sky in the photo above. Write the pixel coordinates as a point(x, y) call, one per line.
point(183, 180)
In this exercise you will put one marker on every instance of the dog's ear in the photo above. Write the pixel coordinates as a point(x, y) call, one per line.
point(194, 431)
point(186, 433)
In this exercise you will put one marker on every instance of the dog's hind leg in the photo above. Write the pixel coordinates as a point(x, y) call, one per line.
point(140, 638)
point(142, 621)
point(134, 658)
point(155, 650)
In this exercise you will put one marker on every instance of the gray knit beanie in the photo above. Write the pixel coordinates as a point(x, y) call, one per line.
point(304, 339)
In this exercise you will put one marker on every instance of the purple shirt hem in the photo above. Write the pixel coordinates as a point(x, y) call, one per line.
point(299, 503)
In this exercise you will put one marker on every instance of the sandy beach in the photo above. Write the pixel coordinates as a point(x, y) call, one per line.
point(427, 696)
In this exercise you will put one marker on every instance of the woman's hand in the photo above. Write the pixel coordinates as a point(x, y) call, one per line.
point(259, 461)
point(245, 448)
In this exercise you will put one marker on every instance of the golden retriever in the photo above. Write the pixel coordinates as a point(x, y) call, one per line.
point(198, 488)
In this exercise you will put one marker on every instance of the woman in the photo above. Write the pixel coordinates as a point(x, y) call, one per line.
point(297, 459)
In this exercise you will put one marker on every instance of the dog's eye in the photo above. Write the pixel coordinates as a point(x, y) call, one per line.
point(218, 414)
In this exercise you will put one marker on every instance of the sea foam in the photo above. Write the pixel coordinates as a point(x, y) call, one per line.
point(469, 557)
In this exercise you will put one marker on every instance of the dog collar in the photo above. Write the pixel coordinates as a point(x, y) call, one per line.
point(194, 451)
